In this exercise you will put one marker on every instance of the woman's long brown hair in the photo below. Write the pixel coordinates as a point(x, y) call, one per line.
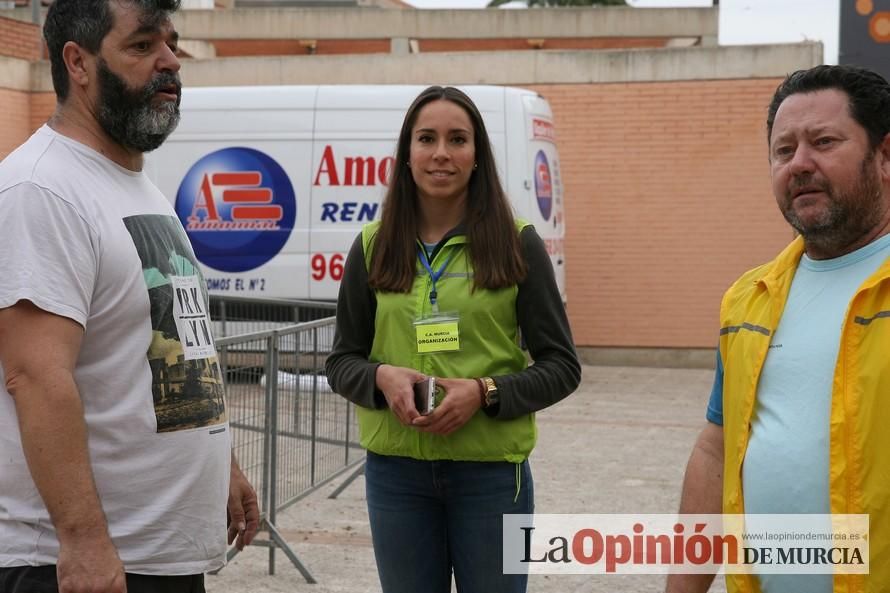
point(494, 245)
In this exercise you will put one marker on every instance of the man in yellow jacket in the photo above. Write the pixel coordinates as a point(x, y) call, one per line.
point(797, 421)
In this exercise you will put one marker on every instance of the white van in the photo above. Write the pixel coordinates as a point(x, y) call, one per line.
point(273, 183)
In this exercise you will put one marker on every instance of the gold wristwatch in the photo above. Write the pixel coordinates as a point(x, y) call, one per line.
point(490, 395)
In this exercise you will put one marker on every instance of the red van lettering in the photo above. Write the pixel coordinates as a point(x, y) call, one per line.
point(329, 166)
point(204, 201)
point(357, 170)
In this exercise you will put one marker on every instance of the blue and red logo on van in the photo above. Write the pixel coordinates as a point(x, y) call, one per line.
point(238, 207)
point(543, 185)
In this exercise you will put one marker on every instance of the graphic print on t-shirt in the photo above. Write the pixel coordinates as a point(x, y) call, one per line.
point(187, 382)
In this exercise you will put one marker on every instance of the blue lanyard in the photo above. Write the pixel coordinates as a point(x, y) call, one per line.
point(434, 276)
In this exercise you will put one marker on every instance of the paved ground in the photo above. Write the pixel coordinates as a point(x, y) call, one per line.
point(618, 445)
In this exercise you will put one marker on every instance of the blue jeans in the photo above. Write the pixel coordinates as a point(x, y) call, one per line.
point(431, 517)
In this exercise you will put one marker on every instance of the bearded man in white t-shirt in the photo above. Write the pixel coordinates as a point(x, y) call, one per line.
point(115, 450)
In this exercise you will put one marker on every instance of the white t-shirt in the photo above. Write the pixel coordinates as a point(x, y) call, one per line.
point(86, 239)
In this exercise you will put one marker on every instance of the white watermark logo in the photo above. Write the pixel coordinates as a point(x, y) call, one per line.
point(691, 544)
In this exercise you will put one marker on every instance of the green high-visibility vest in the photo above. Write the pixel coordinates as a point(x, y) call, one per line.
point(489, 346)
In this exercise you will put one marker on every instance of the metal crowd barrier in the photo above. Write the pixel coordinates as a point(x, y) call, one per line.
point(291, 434)
point(235, 316)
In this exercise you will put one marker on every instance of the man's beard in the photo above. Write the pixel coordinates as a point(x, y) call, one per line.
point(850, 214)
point(129, 116)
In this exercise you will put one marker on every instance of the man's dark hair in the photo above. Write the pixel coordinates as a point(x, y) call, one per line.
point(868, 92)
point(86, 23)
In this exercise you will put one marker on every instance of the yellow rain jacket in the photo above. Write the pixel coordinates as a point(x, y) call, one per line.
point(859, 456)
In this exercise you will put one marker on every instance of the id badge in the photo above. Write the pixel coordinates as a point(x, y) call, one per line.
point(437, 333)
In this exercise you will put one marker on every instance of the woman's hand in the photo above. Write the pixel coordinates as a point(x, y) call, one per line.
point(462, 399)
point(397, 385)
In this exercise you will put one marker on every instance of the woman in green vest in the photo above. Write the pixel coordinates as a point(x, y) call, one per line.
point(443, 286)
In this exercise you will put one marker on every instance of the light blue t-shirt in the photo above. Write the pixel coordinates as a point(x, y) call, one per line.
point(786, 463)
point(430, 247)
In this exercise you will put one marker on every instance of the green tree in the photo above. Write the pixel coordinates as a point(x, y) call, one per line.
point(547, 3)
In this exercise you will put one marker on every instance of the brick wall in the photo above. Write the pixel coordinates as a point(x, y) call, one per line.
point(667, 202)
point(14, 119)
point(42, 107)
point(436, 45)
point(289, 47)
point(22, 113)
point(19, 39)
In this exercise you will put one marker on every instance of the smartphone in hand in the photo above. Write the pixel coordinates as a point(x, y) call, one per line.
point(425, 395)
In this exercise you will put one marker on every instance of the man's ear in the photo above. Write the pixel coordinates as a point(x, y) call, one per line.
point(883, 155)
point(76, 58)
